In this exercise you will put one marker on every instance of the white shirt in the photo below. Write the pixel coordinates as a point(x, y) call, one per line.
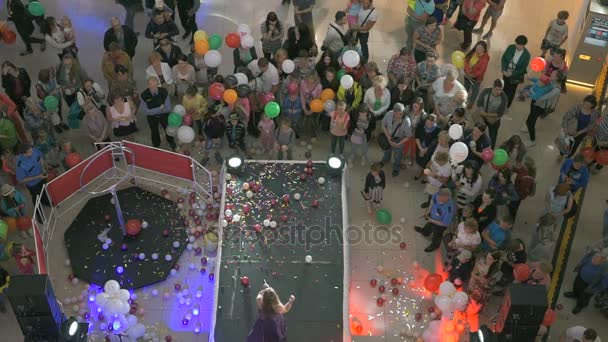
point(166, 71)
point(270, 77)
point(465, 239)
point(440, 171)
point(333, 41)
point(439, 92)
point(557, 32)
point(576, 333)
point(373, 17)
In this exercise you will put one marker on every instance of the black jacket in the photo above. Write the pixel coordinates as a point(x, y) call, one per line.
point(168, 27)
point(18, 14)
point(236, 54)
point(129, 37)
point(9, 84)
point(171, 57)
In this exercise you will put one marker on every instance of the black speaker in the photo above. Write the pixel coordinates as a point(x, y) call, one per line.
point(35, 306)
point(523, 305)
point(519, 333)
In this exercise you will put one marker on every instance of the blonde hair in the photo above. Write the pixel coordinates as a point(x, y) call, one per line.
point(379, 81)
point(154, 57)
point(471, 223)
point(443, 135)
point(442, 157)
point(270, 301)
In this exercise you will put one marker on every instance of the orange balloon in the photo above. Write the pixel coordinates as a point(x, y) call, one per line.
point(316, 105)
point(11, 222)
point(201, 47)
point(230, 96)
point(327, 94)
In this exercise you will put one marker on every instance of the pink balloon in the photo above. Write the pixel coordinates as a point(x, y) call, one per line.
point(187, 120)
point(487, 155)
point(267, 97)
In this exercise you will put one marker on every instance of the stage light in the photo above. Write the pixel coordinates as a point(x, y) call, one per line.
point(235, 163)
point(69, 329)
point(196, 310)
point(116, 325)
point(120, 269)
point(197, 327)
point(335, 164)
point(91, 297)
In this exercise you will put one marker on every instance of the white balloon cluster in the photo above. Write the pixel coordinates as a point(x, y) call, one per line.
point(450, 300)
point(114, 301)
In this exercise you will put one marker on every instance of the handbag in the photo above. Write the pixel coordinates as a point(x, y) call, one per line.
point(383, 141)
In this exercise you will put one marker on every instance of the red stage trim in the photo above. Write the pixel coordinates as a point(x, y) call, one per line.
point(153, 159)
point(40, 257)
point(68, 183)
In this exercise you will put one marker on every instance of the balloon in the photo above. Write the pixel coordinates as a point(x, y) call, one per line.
point(292, 88)
point(24, 223)
point(216, 91)
point(124, 294)
point(538, 64)
point(327, 94)
point(458, 59)
point(347, 81)
point(497, 168)
point(187, 120)
point(242, 90)
point(455, 131)
point(179, 109)
point(460, 299)
point(133, 227)
point(459, 152)
point(272, 109)
point(111, 287)
point(487, 154)
point(200, 35)
point(3, 231)
point(432, 282)
point(102, 298)
point(329, 106)
point(35, 8)
point(316, 105)
point(501, 157)
point(447, 288)
point(383, 216)
point(351, 58)
point(215, 41)
point(174, 120)
point(9, 36)
point(588, 153)
point(521, 272)
point(230, 96)
point(444, 303)
point(11, 222)
point(288, 66)
point(241, 78)
point(340, 73)
point(213, 59)
point(73, 159)
point(132, 320)
point(201, 47)
point(601, 157)
point(185, 134)
point(231, 82)
point(136, 331)
point(243, 30)
point(233, 40)
point(51, 103)
point(549, 318)
point(267, 97)
point(247, 42)
point(171, 131)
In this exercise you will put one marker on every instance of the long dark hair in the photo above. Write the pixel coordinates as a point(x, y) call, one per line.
point(305, 35)
point(511, 142)
point(272, 16)
point(291, 35)
point(47, 25)
point(471, 164)
point(482, 43)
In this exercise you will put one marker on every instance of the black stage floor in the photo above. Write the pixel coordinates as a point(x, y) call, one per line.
point(90, 262)
point(278, 255)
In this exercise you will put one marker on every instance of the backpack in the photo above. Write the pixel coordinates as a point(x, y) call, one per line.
point(214, 127)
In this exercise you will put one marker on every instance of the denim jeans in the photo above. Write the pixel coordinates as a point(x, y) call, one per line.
point(398, 152)
point(157, 122)
point(363, 38)
point(535, 112)
point(130, 16)
point(472, 87)
point(493, 131)
point(337, 140)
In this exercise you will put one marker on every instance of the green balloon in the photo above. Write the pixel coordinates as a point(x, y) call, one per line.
point(272, 109)
point(340, 73)
point(51, 103)
point(500, 157)
point(215, 42)
point(35, 8)
point(383, 216)
point(3, 230)
point(174, 120)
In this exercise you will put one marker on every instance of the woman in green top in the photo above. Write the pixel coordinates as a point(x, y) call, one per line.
point(8, 134)
point(514, 63)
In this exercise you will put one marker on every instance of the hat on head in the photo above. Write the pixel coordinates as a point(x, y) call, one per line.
point(7, 189)
point(234, 116)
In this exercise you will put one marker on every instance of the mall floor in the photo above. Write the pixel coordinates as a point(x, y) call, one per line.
point(403, 196)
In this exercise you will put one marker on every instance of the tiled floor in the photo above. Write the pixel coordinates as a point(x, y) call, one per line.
point(402, 198)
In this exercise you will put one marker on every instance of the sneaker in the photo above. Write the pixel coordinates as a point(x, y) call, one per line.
point(26, 52)
point(487, 36)
point(478, 30)
point(431, 248)
point(576, 310)
point(425, 205)
point(531, 144)
point(569, 294)
point(524, 129)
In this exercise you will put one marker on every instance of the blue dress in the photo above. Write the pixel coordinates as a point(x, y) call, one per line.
point(268, 328)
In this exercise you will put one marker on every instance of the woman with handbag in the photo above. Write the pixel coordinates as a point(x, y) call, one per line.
point(475, 66)
point(514, 64)
point(378, 99)
point(577, 121)
point(559, 202)
point(162, 71)
point(470, 11)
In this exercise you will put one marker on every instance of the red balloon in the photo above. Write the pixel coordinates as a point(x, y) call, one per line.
point(521, 272)
point(381, 288)
point(216, 91)
point(73, 159)
point(165, 232)
point(432, 282)
point(487, 155)
point(394, 281)
point(133, 227)
point(9, 36)
point(245, 281)
point(402, 245)
point(24, 223)
point(315, 204)
point(373, 283)
point(418, 316)
point(559, 306)
point(284, 218)
point(588, 153)
point(601, 157)
point(257, 227)
point(380, 302)
point(549, 318)
point(233, 40)
point(267, 97)
point(395, 291)
point(538, 64)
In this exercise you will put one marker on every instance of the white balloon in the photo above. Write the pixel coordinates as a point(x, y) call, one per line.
point(241, 78)
point(171, 131)
point(111, 287)
point(459, 152)
point(247, 42)
point(288, 66)
point(329, 106)
point(447, 288)
point(228, 212)
point(243, 30)
point(213, 59)
point(321, 180)
point(308, 259)
point(101, 298)
point(347, 81)
point(179, 109)
point(185, 134)
point(249, 194)
point(114, 306)
point(460, 299)
point(124, 294)
point(136, 331)
point(455, 131)
point(296, 196)
point(132, 320)
point(125, 308)
point(444, 303)
point(266, 223)
point(351, 58)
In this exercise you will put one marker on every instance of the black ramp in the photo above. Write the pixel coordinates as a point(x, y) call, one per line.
point(278, 255)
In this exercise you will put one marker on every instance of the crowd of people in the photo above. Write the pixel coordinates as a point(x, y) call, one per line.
point(409, 110)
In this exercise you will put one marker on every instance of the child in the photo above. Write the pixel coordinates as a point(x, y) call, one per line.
point(285, 139)
point(68, 35)
point(292, 105)
point(352, 10)
point(556, 34)
point(235, 133)
point(338, 127)
point(468, 237)
point(543, 241)
point(64, 148)
point(12, 202)
point(25, 257)
point(515, 254)
point(267, 138)
point(538, 88)
point(47, 145)
point(196, 106)
point(461, 267)
point(358, 138)
point(496, 234)
point(8, 165)
point(214, 127)
point(375, 182)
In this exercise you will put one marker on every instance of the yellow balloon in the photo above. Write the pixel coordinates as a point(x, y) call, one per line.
point(200, 35)
point(458, 59)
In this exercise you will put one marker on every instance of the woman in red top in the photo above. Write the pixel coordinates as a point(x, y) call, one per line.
point(470, 11)
point(475, 66)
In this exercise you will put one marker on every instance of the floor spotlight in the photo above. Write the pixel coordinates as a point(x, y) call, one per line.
point(335, 164)
point(235, 163)
point(72, 331)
